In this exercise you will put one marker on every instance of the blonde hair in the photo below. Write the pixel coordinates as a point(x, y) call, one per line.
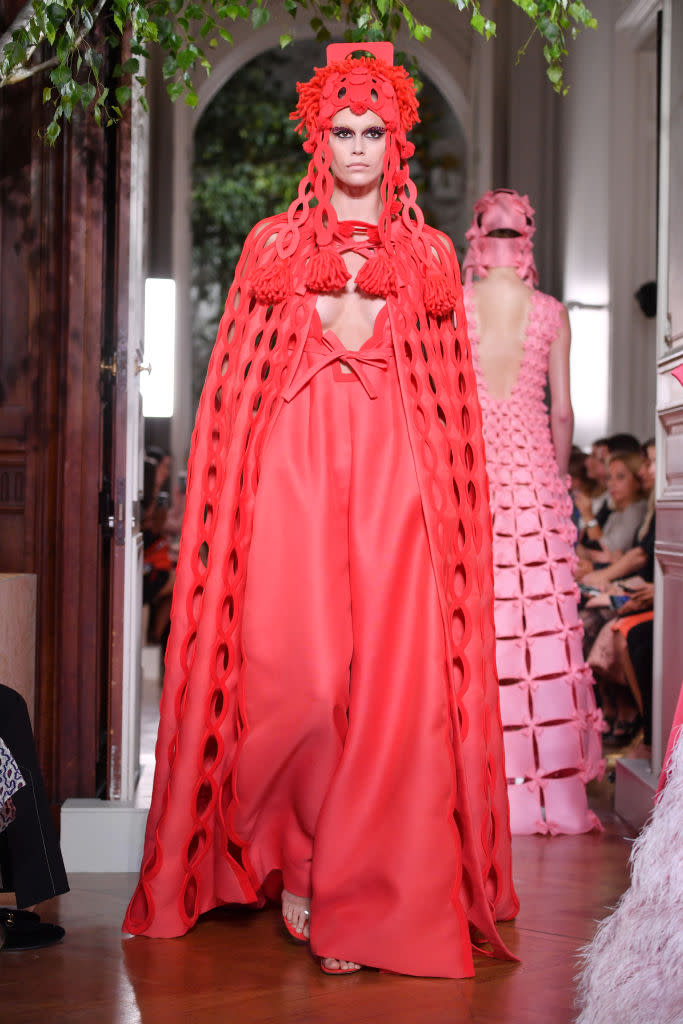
point(633, 462)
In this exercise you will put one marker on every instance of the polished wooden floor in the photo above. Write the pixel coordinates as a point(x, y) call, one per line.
point(235, 968)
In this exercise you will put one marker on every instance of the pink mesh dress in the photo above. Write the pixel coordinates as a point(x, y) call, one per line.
point(552, 729)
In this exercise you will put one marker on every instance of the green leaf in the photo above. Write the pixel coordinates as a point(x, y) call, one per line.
point(131, 66)
point(123, 94)
point(170, 66)
point(47, 94)
point(259, 17)
point(52, 132)
point(60, 75)
point(186, 59)
point(87, 94)
point(285, 40)
point(175, 90)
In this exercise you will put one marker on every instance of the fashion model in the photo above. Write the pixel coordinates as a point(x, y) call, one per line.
point(330, 733)
point(520, 342)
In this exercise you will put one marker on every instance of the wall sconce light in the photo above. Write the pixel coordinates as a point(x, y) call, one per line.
point(158, 383)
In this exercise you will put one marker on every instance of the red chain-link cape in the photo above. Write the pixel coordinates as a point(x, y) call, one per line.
point(192, 861)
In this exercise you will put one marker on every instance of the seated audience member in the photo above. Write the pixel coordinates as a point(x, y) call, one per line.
point(638, 562)
point(582, 486)
point(597, 466)
point(601, 545)
point(158, 568)
point(639, 559)
point(31, 865)
point(596, 471)
point(637, 663)
point(624, 701)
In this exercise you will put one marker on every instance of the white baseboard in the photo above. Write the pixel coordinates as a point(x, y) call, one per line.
point(101, 835)
point(634, 792)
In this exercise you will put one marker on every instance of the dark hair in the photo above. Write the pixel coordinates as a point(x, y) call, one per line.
point(646, 297)
point(156, 452)
point(623, 443)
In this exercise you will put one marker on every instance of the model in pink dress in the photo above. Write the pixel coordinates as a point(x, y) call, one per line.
point(520, 340)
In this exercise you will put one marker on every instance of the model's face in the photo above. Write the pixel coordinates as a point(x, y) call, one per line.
point(647, 470)
point(357, 142)
point(622, 485)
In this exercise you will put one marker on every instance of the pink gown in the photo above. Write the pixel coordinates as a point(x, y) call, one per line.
point(552, 728)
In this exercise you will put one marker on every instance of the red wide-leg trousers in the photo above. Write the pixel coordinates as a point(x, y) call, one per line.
point(345, 778)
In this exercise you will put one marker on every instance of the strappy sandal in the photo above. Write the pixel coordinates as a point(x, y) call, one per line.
point(293, 934)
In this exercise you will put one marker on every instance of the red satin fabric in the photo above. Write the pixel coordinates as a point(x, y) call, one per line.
point(349, 625)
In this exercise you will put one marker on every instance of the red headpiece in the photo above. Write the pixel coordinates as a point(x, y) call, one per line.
point(503, 208)
point(359, 83)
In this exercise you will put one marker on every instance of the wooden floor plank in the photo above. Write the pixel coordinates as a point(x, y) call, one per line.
point(236, 968)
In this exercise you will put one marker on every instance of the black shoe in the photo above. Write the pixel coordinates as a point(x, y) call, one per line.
point(21, 931)
point(22, 915)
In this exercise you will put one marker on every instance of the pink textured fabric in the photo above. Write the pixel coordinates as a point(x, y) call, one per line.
point(503, 208)
point(552, 728)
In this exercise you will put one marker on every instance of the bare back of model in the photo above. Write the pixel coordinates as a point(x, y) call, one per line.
point(503, 304)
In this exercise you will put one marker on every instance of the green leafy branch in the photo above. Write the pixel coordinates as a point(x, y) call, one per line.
point(68, 40)
point(554, 20)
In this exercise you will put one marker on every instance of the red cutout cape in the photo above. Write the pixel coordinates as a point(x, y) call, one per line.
point(191, 860)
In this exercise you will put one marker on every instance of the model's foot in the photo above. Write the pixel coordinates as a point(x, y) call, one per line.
point(332, 966)
point(296, 912)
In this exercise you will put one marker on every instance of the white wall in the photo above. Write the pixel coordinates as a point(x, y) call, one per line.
point(608, 209)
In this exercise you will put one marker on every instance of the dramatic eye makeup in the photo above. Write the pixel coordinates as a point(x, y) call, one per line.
point(373, 132)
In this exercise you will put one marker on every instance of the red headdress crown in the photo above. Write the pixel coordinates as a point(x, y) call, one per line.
point(360, 83)
point(501, 209)
point(369, 81)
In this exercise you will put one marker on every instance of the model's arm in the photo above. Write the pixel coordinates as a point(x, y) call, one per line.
point(561, 415)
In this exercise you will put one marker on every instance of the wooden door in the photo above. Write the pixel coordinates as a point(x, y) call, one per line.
point(123, 461)
point(668, 642)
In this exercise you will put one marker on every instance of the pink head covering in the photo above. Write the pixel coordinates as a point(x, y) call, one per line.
point(501, 209)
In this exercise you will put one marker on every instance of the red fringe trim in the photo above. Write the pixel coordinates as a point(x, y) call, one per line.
point(272, 283)
point(439, 297)
point(377, 276)
point(326, 272)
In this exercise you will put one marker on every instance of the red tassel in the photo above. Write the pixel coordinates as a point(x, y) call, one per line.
point(439, 297)
point(272, 283)
point(326, 272)
point(377, 276)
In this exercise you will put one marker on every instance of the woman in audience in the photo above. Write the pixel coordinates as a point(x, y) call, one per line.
point(622, 698)
point(31, 865)
point(627, 579)
point(602, 545)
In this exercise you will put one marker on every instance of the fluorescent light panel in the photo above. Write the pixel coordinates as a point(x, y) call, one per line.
point(157, 387)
